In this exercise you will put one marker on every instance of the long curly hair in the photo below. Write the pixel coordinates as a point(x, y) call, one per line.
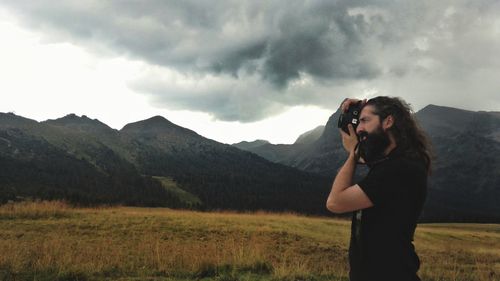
point(409, 136)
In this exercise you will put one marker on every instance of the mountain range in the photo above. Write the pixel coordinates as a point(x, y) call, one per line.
point(147, 163)
point(154, 162)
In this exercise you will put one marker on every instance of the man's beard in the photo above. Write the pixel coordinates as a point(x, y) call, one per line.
point(372, 147)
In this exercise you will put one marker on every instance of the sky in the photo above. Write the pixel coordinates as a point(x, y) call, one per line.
point(244, 70)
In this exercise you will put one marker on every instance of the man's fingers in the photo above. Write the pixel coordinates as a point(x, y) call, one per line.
point(345, 105)
point(351, 130)
point(344, 134)
point(348, 102)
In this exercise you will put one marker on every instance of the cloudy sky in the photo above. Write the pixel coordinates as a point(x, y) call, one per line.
point(244, 70)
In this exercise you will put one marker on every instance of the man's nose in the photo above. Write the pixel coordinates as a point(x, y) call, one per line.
point(359, 129)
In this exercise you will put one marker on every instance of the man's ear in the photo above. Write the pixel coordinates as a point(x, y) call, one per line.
point(388, 122)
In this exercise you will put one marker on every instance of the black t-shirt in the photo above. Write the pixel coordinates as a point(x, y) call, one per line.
point(381, 245)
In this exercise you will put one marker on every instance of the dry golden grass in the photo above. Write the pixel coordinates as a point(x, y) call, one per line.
point(459, 251)
point(34, 209)
point(52, 241)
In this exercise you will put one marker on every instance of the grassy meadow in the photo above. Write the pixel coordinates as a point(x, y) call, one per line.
point(53, 241)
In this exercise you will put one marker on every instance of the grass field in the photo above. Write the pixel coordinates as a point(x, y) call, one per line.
point(52, 241)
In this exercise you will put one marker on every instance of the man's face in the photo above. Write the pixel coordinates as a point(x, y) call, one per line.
point(373, 139)
point(368, 121)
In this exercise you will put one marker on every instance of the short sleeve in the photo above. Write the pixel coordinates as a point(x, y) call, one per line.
point(383, 183)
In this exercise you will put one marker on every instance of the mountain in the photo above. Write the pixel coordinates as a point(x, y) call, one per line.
point(290, 154)
point(44, 161)
point(287, 154)
point(10, 120)
point(465, 183)
point(222, 176)
point(159, 126)
point(310, 136)
point(151, 162)
point(83, 124)
point(277, 153)
point(248, 145)
point(321, 155)
point(466, 172)
point(442, 121)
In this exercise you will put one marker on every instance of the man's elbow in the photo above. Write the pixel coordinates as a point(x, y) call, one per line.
point(334, 207)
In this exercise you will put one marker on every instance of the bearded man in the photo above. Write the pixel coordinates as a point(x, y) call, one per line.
point(388, 201)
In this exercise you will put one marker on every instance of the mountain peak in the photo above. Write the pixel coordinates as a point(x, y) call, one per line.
point(331, 131)
point(247, 145)
point(155, 122)
point(310, 136)
point(432, 108)
point(156, 125)
point(443, 120)
point(158, 121)
point(72, 117)
point(257, 142)
point(11, 119)
point(83, 123)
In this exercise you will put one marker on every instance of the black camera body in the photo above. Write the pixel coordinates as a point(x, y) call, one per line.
point(350, 117)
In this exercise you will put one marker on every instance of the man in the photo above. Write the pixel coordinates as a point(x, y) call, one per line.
point(389, 200)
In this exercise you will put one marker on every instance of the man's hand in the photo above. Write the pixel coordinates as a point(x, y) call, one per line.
point(347, 102)
point(349, 140)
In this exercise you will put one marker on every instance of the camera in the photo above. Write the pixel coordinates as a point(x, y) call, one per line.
point(350, 117)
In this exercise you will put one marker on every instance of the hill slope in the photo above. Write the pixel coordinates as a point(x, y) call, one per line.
point(222, 176)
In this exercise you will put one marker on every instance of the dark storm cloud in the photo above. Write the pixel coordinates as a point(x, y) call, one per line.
point(225, 99)
point(267, 55)
point(278, 39)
